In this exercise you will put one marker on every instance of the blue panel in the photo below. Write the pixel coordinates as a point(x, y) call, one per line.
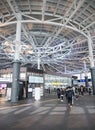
point(82, 80)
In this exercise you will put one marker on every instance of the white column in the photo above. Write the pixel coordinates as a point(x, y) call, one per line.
point(16, 64)
point(85, 68)
point(90, 50)
point(81, 78)
point(39, 61)
point(91, 62)
point(18, 38)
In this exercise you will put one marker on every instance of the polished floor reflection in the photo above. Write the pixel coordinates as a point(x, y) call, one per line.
point(49, 114)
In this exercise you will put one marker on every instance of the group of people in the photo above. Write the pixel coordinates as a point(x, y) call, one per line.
point(60, 93)
point(72, 92)
point(68, 92)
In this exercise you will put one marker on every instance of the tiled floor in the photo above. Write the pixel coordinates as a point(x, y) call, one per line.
point(49, 114)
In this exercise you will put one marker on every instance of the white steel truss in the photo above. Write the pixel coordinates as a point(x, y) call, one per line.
point(54, 32)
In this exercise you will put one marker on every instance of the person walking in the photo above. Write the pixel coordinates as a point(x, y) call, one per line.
point(58, 93)
point(61, 94)
point(69, 96)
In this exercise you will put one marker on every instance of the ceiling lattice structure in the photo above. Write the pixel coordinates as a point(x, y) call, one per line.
point(53, 32)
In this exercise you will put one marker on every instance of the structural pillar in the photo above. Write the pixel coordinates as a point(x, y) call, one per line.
point(81, 78)
point(86, 81)
point(39, 61)
point(15, 83)
point(93, 79)
point(16, 64)
point(85, 71)
point(91, 62)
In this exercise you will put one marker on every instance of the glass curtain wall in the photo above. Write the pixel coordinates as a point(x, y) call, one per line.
point(53, 82)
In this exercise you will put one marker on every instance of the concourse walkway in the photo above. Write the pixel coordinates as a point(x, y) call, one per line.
point(49, 114)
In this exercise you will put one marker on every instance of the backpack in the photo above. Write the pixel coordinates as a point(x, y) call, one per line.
point(69, 93)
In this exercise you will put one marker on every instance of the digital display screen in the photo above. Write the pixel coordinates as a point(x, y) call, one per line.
point(35, 79)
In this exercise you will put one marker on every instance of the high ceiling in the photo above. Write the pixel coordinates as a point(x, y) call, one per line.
point(54, 34)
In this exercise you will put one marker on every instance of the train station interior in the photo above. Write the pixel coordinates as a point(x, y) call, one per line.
point(47, 45)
